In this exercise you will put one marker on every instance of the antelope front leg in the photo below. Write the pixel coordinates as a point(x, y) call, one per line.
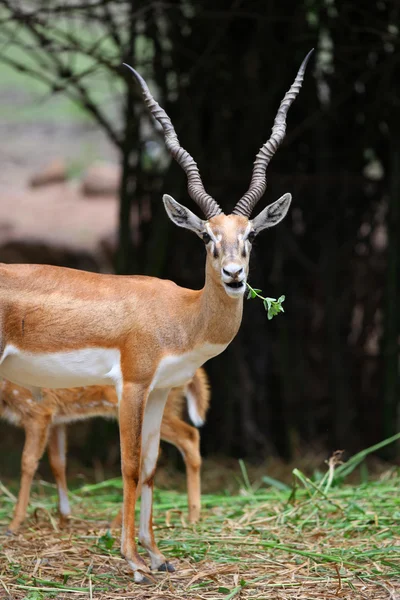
point(36, 433)
point(117, 520)
point(131, 410)
point(150, 445)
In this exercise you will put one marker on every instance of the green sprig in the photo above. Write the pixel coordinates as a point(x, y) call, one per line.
point(273, 306)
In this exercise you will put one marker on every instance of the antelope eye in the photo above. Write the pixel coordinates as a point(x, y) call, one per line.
point(206, 238)
point(251, 236)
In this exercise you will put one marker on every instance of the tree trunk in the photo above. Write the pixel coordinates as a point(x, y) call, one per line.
point(390, 347)
point(125, 258)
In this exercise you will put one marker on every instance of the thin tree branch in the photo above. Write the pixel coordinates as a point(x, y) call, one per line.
point(70, 80)
point(81, 99)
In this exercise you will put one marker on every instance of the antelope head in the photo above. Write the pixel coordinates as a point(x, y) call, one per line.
point(228, 238)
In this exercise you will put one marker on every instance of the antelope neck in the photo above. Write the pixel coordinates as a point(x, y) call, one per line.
point(221, 313)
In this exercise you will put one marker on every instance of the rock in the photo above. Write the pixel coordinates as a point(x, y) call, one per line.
point(101, 179)
point(54, 172)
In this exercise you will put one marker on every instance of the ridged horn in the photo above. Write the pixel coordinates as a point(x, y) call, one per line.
point(258, 182)
point(195, 186)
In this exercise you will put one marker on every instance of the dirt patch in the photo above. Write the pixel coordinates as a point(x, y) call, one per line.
point(56, 216)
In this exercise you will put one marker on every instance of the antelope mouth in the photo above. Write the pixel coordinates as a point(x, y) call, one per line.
point(235, 289)
point(235, 285)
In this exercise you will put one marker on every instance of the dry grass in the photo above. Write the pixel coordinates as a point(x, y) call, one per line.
point(318, 539)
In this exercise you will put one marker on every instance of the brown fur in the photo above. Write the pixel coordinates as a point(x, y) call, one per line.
point(44, 422)
point(60, 314)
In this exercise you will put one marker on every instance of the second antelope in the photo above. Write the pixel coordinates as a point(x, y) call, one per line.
point(45, 423)
point(63, 328)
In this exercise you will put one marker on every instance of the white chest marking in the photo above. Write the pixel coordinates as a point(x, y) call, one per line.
point(87, 366)
point(177, 369)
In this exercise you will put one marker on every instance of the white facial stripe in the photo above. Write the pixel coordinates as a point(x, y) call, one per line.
point(243, 236)
point(210, 232)
point(244, 244)
point(248, 229)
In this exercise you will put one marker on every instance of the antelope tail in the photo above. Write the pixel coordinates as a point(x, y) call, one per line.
point(197, 395)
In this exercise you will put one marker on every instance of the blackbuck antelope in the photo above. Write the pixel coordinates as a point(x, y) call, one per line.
point(64, 328)
point(45, 423)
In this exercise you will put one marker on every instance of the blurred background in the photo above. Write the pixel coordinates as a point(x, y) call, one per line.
point(83, 169)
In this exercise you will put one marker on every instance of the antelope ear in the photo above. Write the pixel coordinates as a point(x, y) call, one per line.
point(272, 214)
point(182, 216)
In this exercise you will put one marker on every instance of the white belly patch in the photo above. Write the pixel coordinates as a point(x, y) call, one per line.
point(177, 369)
point(87, 366)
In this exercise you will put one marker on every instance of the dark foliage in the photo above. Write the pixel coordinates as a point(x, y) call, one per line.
point(326, 372)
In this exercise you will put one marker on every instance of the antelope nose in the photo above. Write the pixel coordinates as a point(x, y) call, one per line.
point(233, 271)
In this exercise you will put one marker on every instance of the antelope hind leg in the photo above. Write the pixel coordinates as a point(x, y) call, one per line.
point(36, 433)
point(57, 450)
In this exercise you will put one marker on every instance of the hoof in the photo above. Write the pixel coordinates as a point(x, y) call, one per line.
point(10, 532)
point(143, 579)
point(64, 521)
point(166, 567)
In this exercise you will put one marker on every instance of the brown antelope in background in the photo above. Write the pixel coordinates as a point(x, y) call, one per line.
point(45, 423)
point(63, 328)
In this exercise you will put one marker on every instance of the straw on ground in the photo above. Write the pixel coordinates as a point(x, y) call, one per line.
point(318, 539)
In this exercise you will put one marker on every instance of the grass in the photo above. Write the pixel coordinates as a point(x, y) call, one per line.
point(319, 538)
